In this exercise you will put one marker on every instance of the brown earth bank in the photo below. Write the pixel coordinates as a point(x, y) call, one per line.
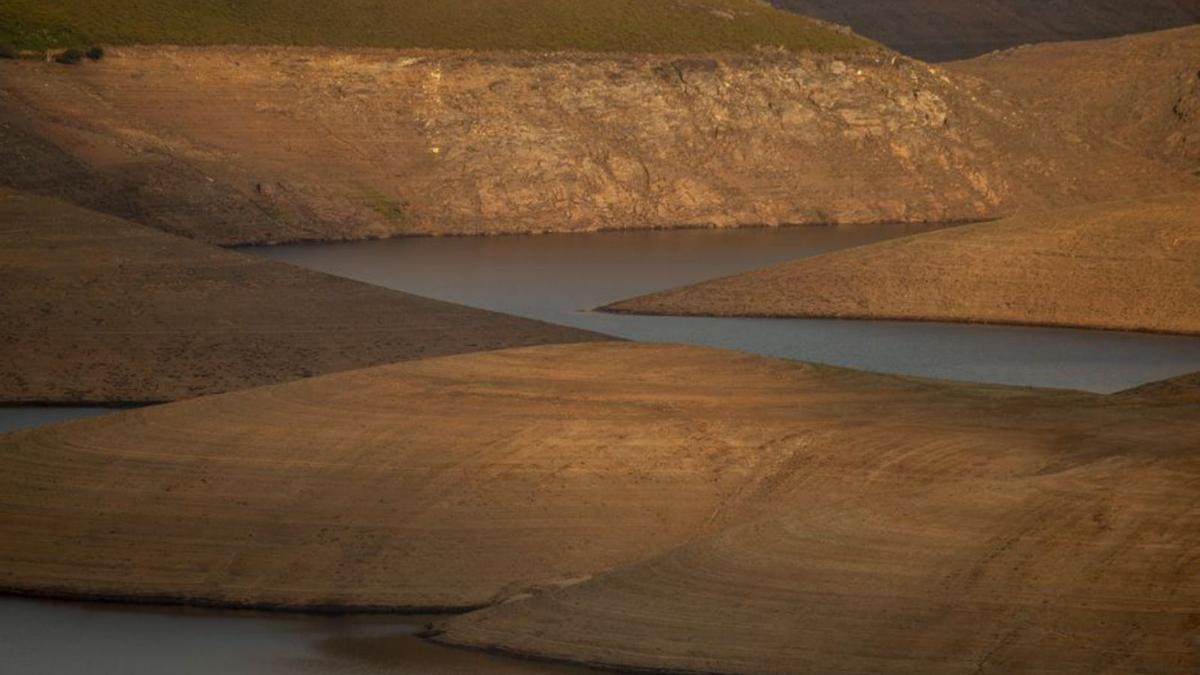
point(942, 30)
point(98, 309)
point(1131, 265)
point(1142, 91)
point(238, 145)
point(1182, 389)
point(649, 506)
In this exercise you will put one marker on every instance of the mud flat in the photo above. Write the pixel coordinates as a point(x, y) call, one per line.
point(95, 309)
point(320, 144)
point(645, 506)
point(1125, 266)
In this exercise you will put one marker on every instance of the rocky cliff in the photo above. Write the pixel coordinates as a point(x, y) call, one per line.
point(236, 145)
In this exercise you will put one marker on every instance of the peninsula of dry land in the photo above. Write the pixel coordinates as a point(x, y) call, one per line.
point(1123, 266)
point(648, 506)
point(97, 309)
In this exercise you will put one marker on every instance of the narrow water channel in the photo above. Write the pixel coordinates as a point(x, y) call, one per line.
point(560, 278)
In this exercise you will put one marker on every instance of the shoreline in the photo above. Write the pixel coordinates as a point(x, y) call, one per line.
point(610, 309)
point(683, 227)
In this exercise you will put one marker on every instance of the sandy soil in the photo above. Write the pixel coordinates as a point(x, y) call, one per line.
point(98, 309)
point(646, 505)
point(1128, 266)
point(236, 145)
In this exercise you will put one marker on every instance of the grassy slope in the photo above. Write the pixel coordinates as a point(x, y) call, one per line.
point(590, 25)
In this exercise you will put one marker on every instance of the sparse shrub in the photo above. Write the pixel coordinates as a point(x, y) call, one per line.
point(70, 57)
point(7, 51)
point(95, 53)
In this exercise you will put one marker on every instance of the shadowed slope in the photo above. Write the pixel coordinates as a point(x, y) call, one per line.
point(98, 309)
point(940, 30)
point(773, 515)
point(1182, 389)
point(1125, 266)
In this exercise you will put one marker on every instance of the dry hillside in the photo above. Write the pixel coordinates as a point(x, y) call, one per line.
point(1182, 389)
point(98, 309)
point(942, 30)
point(646, 505)
point(1128, 266)
point(1142, 91)
point(235, 145)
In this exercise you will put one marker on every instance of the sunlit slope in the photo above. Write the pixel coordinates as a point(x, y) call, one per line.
point(645, 505)
point(590, 25)
point(1132, 265)
point(1086, 564)
point(1141, 91)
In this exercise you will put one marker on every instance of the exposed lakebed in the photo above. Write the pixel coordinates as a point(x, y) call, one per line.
point(559, 279)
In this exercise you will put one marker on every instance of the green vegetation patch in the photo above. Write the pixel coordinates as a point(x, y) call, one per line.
point(392, 211)
point(661, 26)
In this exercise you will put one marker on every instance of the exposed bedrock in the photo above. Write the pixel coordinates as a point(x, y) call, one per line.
point(235, 145)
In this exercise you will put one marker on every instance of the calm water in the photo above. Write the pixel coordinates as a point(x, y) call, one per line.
point(12, 419)
point(60, 638)
point(559, 278)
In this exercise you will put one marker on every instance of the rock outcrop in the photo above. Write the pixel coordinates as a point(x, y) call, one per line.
point(237, 145)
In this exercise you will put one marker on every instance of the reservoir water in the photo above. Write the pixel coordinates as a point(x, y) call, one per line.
point(555, 278)
point(560, 278)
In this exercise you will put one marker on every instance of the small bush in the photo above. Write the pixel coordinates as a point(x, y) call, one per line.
point(95, 53)
point(70, 57)
point(7, 51)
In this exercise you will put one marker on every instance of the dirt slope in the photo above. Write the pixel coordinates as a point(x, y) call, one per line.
point(1142, 91)
point(1182, 389)
point(318, 144)
point(943, 30)
point(98, 309)
point(770, 516)
point(1126, 266)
